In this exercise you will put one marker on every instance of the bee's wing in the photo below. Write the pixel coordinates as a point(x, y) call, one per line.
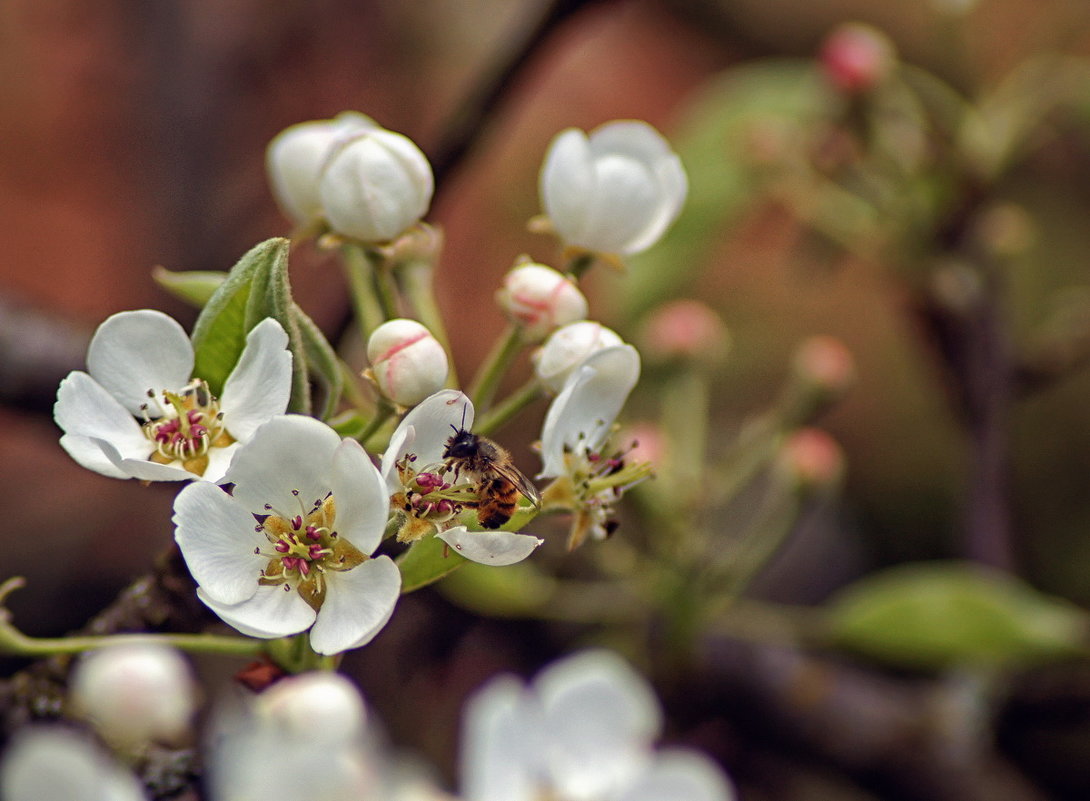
point(521, 482)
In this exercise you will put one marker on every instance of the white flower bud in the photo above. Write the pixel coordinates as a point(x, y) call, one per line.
point(135, 693)
point(616, 191)
point(539, 299)
point(295, 158)
point(569, 347)
point(318, 704)
point(376, 186)
point(407, 362)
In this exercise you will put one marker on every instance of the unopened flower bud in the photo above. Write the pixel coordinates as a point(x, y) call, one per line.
point(857, 57)
point(569, 347)
point(826, 364)
point(538, 299)
point(812, 459)
point(407, 362)
point(134, 694)
point(614, 191)
point(318, 704)
point(686, 329)
point(296, 156)
point(375, 186)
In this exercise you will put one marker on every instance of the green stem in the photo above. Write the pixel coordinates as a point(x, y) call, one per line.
point(495, 367)
point(419, 288)
point(385, 285)
point(383, 413)
point(509, 407)
point(359, 272)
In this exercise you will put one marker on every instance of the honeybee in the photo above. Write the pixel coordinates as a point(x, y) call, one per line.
point(499, 482)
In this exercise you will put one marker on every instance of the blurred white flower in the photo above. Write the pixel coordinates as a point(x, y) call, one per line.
point(567, 348)
point(45, 763)
point(538, 299)
point(416, 473)
point(584, 730)
point(295, 158)
point(575, 437)
point(138, 412)
point(288, 549)
point(134, 694)
point(614, 191)
point(407, 362)
point(375, 186)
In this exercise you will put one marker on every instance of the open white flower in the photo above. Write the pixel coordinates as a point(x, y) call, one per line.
point(615, 191)
point(289, 548)
point(582, 731)
point(138, 411)
point(575, 436)
point(567, 348)
point(423, 488)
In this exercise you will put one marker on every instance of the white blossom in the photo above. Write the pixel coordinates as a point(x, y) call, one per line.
point(322, 507)
point(615, 191)
point(583, 730)
point(415, 469)
point(567, 348)
point(375, 186)
point(407, 362)
point(138, 412)
point(297, 155)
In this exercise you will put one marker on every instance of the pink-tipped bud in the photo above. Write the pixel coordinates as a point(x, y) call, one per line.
point(857, 57)
point(407, 362)
point(812, 459)
point(539, 299)
point(567, 348)
point(135, 694)
point(686, 329)
point(826, 364)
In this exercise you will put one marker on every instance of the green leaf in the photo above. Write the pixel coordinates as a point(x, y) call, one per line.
point(195, 287)
point(324, 369)
point(938, 615)
point(518, 590)
point(427, 561)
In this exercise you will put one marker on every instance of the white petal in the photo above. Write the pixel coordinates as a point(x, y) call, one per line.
point(625, 201)
point(592, 397)
point(602, 718)
point(401, 443)
point(85, 409)
point(145, 469)
point(362, 502)
point(88, 453)
point(217, 537)
point(271, 612)
point(434, 420)
point(289, 452)
point(56, 764)
point(219, 460)
point(132, 352)
point(502, 743)
point(496, 548)
point(357, 605)
point(681, 775)
point(567, 183)
point(260, 385)
point(635, 139)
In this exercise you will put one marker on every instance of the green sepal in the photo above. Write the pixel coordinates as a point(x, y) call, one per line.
point(427, 561)
point(195, 287)
point(323, 365)
point(937, 615)
point(256, 287)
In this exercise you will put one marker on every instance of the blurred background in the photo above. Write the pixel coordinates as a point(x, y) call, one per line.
point(132, 134)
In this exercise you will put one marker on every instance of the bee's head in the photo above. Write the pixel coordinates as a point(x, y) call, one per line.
point(462, 444)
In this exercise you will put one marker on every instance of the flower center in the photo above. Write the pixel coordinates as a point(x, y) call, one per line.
point(429, 497)
point(191, 424)
point(305, 546)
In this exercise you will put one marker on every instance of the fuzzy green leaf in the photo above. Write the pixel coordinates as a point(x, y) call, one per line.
point(195, 287)
point(323, 365)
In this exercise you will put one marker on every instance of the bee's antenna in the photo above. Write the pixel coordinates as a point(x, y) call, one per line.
point(464, 407)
